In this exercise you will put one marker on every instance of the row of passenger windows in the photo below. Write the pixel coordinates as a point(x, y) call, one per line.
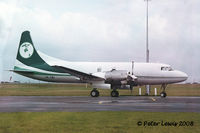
point(166, 69)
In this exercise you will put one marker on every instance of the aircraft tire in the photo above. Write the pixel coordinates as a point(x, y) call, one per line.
point(163, 94)
point(114, 93)
point(94, 93)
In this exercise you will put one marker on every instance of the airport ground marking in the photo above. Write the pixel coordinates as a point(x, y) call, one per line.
point(153, 99)
point(100, 102)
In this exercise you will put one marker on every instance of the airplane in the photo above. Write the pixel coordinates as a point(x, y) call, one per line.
point(108, 75)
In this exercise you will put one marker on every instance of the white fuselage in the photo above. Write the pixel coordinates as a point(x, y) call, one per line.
point(146, 73)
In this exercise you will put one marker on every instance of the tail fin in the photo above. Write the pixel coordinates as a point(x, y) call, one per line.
point(27, 53)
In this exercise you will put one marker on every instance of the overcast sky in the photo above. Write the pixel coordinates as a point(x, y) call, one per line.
point(103, 30)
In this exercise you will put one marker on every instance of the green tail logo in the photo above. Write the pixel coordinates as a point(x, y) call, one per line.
point(26, 50)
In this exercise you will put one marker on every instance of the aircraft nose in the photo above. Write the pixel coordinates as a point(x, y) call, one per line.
point(183, 75)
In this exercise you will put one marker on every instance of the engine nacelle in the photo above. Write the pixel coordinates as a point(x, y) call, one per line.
point(116, 75)
point(119, 77)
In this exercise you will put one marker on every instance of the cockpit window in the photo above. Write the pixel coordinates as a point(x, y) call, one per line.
point(166, 69)
point(170, 69)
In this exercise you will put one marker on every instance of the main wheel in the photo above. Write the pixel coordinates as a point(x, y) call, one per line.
point(114, 93)
point(94, 93)
point(163, 94)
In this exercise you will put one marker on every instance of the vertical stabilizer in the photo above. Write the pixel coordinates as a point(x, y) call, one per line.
point(27, 53)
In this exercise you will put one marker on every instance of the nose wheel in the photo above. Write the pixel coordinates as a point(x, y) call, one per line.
point(163, 93)
point(94, 93)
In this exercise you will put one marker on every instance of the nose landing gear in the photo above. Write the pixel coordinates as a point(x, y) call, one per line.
point(163, 93)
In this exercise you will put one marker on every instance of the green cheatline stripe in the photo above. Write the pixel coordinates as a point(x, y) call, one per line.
point(38, 73)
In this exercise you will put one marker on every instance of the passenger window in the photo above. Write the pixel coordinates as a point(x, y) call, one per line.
point(99, 69)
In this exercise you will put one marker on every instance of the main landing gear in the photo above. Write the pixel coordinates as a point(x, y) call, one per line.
point(163, 93)
point(114, 93)
point(94, 93)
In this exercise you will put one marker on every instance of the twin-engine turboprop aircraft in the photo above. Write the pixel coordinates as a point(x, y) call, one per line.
point(111, 75)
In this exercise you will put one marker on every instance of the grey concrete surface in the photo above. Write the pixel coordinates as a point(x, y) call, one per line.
point(84, 103)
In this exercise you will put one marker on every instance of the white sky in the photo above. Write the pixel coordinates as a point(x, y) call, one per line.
point(103, 30)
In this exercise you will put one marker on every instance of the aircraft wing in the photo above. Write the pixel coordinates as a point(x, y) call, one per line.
point(81, 75)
